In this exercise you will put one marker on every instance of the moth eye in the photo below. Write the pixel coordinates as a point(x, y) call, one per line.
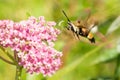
point(78, 21)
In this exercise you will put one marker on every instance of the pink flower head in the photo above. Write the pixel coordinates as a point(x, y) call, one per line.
point(33, 42)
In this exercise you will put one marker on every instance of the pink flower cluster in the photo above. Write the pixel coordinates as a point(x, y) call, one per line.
point(32, 41)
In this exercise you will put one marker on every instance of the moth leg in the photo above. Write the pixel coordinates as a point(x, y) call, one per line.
point(78, 36)
point(67, 27)
point(73, 33)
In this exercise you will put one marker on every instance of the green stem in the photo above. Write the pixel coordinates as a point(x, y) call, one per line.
point(9, 62)
point(15, 59)
point(117, 69)
point(18, 72)
point(5, 51)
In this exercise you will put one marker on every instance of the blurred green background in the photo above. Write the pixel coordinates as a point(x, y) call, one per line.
point(81, 60)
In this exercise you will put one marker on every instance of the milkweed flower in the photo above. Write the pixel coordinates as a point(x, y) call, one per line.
point(32, 41)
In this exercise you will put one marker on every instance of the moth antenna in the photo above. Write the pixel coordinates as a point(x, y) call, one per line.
point(89, 14)
point(66, 15)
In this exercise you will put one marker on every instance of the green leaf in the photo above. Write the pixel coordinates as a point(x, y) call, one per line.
point(105, 56)
point(114, 26)
point(74, 64)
